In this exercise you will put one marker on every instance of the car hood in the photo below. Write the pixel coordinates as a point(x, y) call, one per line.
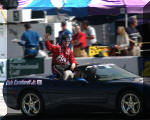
point(129, 80)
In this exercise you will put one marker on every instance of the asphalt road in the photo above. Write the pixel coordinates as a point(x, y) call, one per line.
point(70, 113)
point(74, 116)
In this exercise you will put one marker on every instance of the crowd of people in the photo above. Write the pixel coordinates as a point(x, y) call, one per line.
point(128, 40)
point(84, 36)
point(69, 46)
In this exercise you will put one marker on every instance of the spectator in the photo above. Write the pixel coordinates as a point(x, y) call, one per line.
point(79, 43)
point(90, 35)
point(31, 42)
point(2, 3)
point(60, 56)
point(64, 31)
point(122, 43)
point(135, 38)
point(1, 68)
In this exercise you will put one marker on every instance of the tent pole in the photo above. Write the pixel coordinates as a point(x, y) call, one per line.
point(126, 19)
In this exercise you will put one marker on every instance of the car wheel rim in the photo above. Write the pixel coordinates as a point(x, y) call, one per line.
point(31, 104)
point(130, 104)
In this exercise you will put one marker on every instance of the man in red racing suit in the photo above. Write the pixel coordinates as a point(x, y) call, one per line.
point(61, 55)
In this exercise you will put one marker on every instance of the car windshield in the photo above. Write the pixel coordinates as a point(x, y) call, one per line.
point(112, 72)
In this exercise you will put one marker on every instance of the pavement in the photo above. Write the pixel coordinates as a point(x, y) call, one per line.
point(4, 110)
point(3, 107)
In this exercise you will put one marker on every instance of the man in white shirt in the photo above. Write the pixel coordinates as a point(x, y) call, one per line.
point(1, 68)
point(90, 34)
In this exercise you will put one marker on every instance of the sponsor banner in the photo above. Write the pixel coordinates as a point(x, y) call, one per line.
point(144, 66)
point(98, 50)
point(20, 67)
point(23, 82)
point(3, 69)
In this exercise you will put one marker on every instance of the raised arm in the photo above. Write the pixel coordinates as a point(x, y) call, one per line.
point(48, 44)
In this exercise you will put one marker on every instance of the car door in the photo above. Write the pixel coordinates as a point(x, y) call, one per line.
point(76, 91)
point(83, 92)
point(95, 92)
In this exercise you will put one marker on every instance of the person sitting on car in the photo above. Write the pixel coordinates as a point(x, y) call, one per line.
point(78, 75)
point(60, 56)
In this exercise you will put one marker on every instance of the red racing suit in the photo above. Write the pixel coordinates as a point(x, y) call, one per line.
point(60, 56)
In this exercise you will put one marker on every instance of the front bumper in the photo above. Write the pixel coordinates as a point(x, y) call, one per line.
point(147, 95)
point(10, 98)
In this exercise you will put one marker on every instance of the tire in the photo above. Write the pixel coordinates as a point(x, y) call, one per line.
point(31, 104)
point(130, 104)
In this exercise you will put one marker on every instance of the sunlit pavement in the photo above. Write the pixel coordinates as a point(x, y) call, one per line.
point(75, 116)
point(3, 108)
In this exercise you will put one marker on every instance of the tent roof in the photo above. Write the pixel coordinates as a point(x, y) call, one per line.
point(116, 6)
point(85, 7)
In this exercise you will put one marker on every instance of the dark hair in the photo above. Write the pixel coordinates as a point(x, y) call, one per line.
point(63, 23)
point(65, 38)
point(27, 26)
point(48, 29)
point(85, 22)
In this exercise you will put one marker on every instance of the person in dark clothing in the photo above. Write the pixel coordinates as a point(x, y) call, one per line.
point(63, 32)
point(31, 42)
point(135, 38)
point(1, 67)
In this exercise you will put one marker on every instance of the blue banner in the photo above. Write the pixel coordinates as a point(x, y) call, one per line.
point(70, 7)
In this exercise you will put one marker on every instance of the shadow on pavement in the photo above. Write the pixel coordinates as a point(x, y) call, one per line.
point(88, 116)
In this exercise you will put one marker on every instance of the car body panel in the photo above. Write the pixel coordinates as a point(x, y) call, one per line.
point(103, 94)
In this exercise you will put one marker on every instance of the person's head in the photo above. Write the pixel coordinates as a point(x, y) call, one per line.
point(64, 25)
point(121, 30)
point(65, 41)
point(77, 29)
point(133, 22)
point(85, 24)
point(27, 26)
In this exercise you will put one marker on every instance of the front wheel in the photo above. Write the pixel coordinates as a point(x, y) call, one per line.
point(31, 104)
point(130, 104)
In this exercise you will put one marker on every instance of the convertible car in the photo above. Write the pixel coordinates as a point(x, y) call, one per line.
point(102, 85)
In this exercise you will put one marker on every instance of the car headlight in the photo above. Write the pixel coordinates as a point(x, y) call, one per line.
point(139, 80)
